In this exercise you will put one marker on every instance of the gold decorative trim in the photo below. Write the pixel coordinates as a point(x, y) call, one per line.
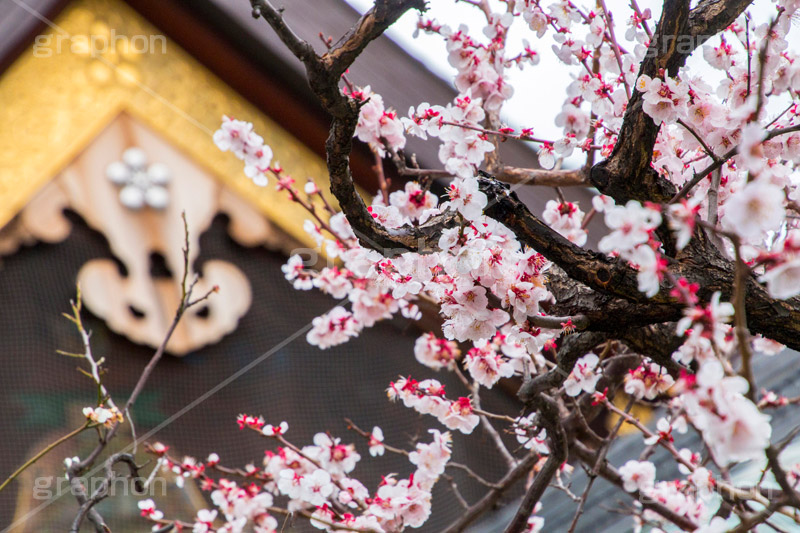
point(102, 59)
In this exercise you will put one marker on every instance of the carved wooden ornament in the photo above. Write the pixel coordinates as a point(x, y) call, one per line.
point(143, 233)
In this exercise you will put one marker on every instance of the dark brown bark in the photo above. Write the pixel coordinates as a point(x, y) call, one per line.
point(557, 440)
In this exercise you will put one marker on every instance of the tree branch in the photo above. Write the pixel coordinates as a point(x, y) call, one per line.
point(710, 17)
point(548, 178)
point(300, 48)
point(101, 492)
point(557, 440)
point(493, 495)
point(612, 475)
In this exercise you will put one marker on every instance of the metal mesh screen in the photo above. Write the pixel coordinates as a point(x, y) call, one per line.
point(313, 390)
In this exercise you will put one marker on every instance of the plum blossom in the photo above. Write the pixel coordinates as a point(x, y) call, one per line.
point(148, 509)
point(423, 120)
point(333, 281)
point(754, 210)
point(535, 523)
point(703, 481)
point(546, 158)
point(103, 416)
point(783, 281)
point(294, 270)
point(731, 424)
point(238, 137)
point(664, 430)
point(783, 273)
point(316, 487)
point(333, 328)
point(413, 200)
point(676, 498)
point(376, 446)
point(353, 491)
point(530, 436)
point(767, 346)
point(682, 219)
point(631, 225)
point(377, 125)
point(573, 120)
point(431, 459)
point(649, 380)
point(638, 476)
point(566, 218)
point(708, 321)
point(435, 353)
point(663, 100)
point(695, 347)
point(389, 217)
point(651, 267)
point(335, 457)
point(486, 366)
point(466, 198)
point(289, 483)
point(721, 57)
point(204, 521)
point(273, 431)
point(583, 377)
point(460, 416)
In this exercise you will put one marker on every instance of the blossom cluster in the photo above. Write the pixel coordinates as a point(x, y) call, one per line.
point(428, 398)
point(238, 137)
point(103, 416)
point(315, 480)
point(632, 238)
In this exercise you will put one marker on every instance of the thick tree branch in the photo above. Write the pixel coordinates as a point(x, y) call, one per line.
point(710, 17)
point(626, 174)
point(557, 440)
point(548, 178)
point(369, 27)
point(590, 268)
point(323, 75)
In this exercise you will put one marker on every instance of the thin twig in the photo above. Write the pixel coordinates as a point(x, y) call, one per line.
point(724, 158)
point(615, 47)
point(42, 453)
point(601, 456)
point(77, 468)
